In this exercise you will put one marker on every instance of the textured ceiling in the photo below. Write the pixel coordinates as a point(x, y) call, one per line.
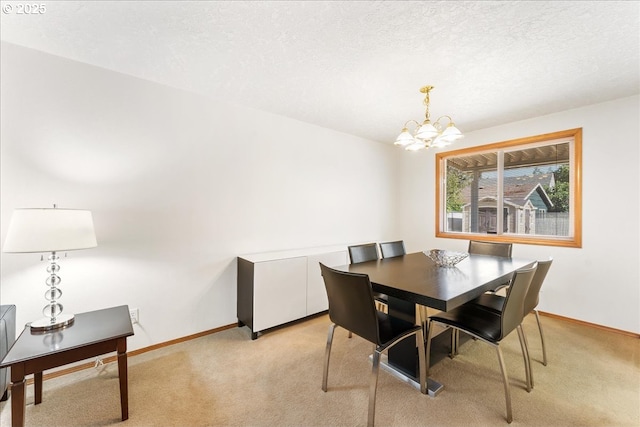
point(357, 66)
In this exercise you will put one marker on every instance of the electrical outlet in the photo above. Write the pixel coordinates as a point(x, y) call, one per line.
point(134, 313)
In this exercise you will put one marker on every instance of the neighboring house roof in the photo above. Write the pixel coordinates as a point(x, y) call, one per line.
point(517, 190)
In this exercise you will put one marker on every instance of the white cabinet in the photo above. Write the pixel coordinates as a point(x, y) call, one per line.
point(279, 292)
point(279, 287)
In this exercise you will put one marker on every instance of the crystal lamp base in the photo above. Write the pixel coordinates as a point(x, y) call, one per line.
point(45, 324)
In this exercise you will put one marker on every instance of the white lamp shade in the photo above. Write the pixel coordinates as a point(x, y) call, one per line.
point(405, 138)
point(418, 145)
point(50, 230)
point(427, 131)
point(440, 142)
point(451, 133)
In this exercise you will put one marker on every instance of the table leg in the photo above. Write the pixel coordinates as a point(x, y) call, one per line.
point(37, 387)
point(18, 394)
point(404, 355)
point(122, 374)
point(402, 360)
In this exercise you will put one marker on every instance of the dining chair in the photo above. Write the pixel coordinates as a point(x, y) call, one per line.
point(363, 253)
point(483, 248)
point(492, 327)
point(496, 303)
point(352, 307)
point(490, 248)
point(392, 249)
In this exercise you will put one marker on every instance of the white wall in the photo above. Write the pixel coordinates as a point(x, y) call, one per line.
point(179, 185)
point(598, 283)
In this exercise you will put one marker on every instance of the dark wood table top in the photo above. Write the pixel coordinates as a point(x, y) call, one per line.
point(87, 328)
point(416, 278)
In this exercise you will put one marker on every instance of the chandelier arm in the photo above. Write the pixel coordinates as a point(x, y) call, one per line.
point(445, 116)
point(411, 121)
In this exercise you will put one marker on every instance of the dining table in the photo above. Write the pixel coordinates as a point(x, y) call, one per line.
point(415, 278)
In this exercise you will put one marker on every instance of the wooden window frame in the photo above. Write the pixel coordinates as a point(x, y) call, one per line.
point(574, 240)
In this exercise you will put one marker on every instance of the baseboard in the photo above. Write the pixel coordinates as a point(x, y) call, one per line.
point(592, 325)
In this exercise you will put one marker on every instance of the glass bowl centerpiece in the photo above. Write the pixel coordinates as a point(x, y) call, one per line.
point(444, 258)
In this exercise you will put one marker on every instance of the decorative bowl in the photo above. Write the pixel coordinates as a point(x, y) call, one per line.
point(444, 258)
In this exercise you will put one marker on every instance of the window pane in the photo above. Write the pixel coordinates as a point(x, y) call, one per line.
point(537, 190)
point(472, 193)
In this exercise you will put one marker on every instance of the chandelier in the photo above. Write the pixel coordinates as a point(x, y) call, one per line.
point(428, 134)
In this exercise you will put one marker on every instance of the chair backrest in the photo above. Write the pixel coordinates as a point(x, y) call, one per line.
point(512, 311)
point(490, 248)
point(392, 249)
point(362, 253)
point(351, 304)
point(533, 294)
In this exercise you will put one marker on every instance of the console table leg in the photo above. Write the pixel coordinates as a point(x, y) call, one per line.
point(122, 374)
point(37, 387)
point(18, 395)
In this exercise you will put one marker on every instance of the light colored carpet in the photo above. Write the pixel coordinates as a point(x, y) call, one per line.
point(225, 379)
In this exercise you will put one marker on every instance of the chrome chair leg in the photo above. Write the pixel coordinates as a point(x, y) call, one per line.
point(526, 344)
point(425, 330)
point(327, 353)
point(373, 385)
point(525, 355)
point(453, 344)
point(455, 341)
point(422, 317)
point(377, 353)
point(421, 363)
point(427, 352)
point(505, 379)
point(503, 368)
point(544, 349)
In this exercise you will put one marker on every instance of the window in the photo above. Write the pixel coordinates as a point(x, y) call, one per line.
point(522, 191)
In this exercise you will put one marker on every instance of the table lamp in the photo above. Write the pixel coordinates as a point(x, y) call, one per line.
point(51, 230)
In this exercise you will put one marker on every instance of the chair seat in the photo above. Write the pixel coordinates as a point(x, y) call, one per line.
point(490, 301)
point(475, 319)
